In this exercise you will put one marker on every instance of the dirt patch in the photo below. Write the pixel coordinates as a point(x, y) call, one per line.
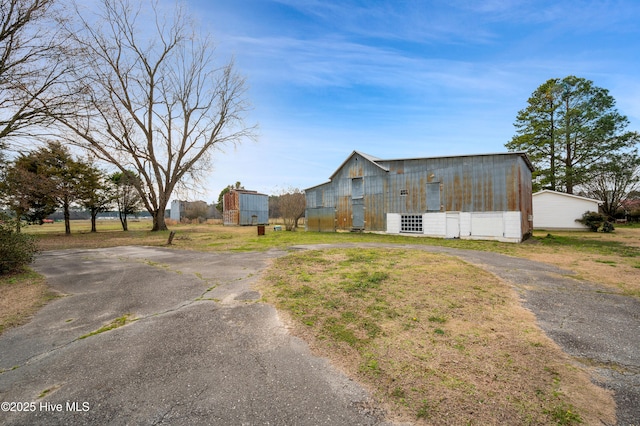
point(21, 295)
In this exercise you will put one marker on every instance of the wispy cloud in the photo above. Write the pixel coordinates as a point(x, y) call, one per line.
point(406, 77)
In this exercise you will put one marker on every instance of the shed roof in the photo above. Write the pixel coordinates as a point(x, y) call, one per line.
point(517, 153)
point(247, 191)
point(564, 194)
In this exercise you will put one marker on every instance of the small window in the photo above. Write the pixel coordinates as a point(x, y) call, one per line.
point(404, 192)
point(411, 223)
point(357, 188)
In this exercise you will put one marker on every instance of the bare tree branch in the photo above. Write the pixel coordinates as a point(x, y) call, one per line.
point(152, 98)
point(30, 48)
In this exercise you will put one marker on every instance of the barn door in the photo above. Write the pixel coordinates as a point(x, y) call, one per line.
point(358, 214)
point(453, 225)
point(357, 203)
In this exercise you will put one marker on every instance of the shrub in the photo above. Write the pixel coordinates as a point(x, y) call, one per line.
point(606, 227)
point(16, 249)
point(596, 222)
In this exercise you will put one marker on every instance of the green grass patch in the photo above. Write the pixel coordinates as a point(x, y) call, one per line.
point(437, 319)
point(116, 323)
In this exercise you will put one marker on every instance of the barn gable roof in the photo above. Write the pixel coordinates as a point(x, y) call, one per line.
point(370, 158)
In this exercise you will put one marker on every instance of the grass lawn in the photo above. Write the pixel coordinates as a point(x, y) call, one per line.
point(610, 259)
point(437, 340)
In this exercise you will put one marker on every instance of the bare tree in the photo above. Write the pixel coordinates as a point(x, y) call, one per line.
point(292, 205)
point(614, 180)
point(196, 210)
point(30, 46)
point(151, 98)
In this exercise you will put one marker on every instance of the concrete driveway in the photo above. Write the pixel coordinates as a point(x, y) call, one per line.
point(200, 352)
point(203, 352)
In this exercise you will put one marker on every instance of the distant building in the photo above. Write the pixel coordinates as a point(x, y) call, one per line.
point(177, 209)
point(558, 210)
point(242, 207)
point(486, 196)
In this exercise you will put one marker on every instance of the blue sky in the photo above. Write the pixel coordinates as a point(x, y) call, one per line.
point(404, 78)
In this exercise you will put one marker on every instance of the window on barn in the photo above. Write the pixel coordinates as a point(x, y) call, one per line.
point(433, 196)
point(411, 223)
point(404, 192)
point(319, 198)
point(357, 189)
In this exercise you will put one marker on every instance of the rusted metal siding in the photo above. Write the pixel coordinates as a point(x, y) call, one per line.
point(482, 183)
point(320, 212)
point(370, 185)
point(245, 208)
point(231, 208)
point(372, 195)
point(321, 219)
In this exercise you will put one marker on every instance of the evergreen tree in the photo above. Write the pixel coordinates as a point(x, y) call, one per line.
point(568, 127)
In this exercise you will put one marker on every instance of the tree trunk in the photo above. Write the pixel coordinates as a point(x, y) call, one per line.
point(19, 214)
point(553, 155)
point(93, 221)
point(67, 222)
point(123, 220)
point(158, 221)
point(569, 171)
point(568, 162)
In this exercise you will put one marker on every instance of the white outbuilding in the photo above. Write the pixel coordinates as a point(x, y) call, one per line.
point(557, 210)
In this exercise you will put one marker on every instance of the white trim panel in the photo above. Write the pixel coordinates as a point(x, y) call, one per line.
point(500, 226)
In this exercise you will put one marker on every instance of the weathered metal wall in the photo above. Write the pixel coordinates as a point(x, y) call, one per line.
point(470, 184)
point(321, 219)
point(230, 208)
point(245, 208)
point(373, 196)
point(254, 209)
point(479, 183)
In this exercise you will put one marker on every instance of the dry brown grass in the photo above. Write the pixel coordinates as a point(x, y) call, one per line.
point(610, 259)
point(21, 295)
point(437, 340)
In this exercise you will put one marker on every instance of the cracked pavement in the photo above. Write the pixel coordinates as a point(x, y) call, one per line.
point(200, 351)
